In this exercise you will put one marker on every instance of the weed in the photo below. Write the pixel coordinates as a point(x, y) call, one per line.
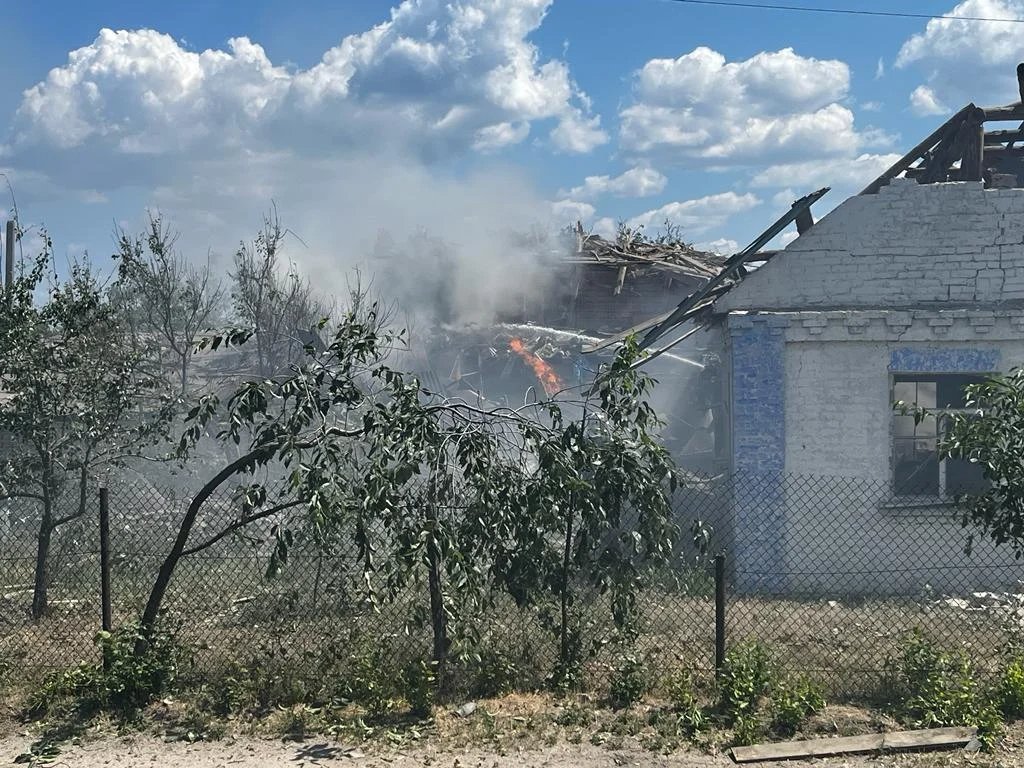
point(296, 722)
point(1011, 689)
point(574, 715)
point(629, 681)
point(682, 698)
point(793, 700)
point(745, 678)
point(122, 683)
point(420, 687)
point(494, 674)
point(748, 728)
point(370, 684)
point(938, 688)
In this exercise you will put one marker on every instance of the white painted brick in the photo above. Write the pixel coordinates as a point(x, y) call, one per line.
point(910, 244)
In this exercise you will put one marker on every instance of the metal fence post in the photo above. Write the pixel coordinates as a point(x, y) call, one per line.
point(105, 560)
point(719, 612)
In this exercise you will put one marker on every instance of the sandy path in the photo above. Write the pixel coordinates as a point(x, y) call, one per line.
point(146, 752)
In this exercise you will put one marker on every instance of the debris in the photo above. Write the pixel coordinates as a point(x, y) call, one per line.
point(466, 709)
point(874, 742)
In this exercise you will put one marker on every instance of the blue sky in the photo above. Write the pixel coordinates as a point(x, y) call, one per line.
point(466, 116)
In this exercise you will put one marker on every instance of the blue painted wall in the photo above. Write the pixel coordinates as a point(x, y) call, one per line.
point(759, 450)
point(944, 360)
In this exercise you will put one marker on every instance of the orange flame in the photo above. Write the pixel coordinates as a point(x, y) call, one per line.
point(545, 373)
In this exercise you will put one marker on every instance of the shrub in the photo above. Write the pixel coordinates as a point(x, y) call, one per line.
point(420, 687)
point(794, 700)
point(123, 682)
point(1011, 689)
point(629, 681)
point(745, 678)
point(371, 684)
point(271, 677)
point(938, 688)
point(494, 674)
point(683, 701)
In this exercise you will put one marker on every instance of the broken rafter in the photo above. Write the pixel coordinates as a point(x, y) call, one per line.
point(733, 267)
point(620, 337)
point(918, 152)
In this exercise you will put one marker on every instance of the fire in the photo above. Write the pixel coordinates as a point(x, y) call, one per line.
point(545, 373)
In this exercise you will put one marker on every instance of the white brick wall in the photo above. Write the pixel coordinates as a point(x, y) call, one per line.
point(838, 424)
point(910, 245)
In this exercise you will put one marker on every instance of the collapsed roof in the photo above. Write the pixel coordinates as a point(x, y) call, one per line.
point(632, 252)
point(961, 149)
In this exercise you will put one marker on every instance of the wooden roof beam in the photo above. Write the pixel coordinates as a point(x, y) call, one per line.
point(950, 126)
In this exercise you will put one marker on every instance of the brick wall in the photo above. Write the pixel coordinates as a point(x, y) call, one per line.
point(910, 245)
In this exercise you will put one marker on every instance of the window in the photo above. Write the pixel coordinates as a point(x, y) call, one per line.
point(917, 470)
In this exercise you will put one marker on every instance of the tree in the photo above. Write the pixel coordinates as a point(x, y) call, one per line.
point(279, 306)
point(79, 398)
point(167, 302)
point(528, 500)
point(990, 432)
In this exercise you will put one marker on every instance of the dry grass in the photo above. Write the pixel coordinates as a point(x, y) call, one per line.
point(843, 645)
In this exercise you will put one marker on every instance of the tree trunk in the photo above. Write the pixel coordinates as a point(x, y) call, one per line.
point(438, 616)
point(163, 578)
point(42, 576)
point(184, 374)
point(563, 645)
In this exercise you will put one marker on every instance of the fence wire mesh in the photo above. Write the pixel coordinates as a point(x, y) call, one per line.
point(830, 574)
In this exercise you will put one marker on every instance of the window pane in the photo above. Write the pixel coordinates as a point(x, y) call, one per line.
point(951, 389)
point(964, 477)
point(927, 428)
point(905, 391)
point(903, 426)
point(916, 467)
point(926, 394)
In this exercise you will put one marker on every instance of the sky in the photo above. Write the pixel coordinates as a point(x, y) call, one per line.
point(466, 117)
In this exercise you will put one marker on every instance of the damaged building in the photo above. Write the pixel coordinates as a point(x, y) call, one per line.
point(545, 341)
point(909, 291)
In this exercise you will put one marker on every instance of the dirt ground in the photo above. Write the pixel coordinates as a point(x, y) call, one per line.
point(247, 752)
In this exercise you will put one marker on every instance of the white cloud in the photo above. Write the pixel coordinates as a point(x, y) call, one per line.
point(636, 182)
point(963, 61)
point(606, 227)
point(784, 198)
point(838, 173)
point(571, 211)
point(700, 109)
point(880, 69)
point(722, 245)
point(494, 137)
point(435, 79)
point(698, 215)
point(578, 134)
point(142, 93)
point(924, 102)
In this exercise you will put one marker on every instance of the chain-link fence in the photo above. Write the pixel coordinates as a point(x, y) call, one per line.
point(829, 573)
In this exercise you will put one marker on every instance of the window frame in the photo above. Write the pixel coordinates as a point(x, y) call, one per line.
point(942, 497)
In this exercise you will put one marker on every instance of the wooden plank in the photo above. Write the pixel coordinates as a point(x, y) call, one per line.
point(1008, 112)
point(732, 266)
point(972, 165)
point(913, 155)
point(998, 137)
point(873, 742)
